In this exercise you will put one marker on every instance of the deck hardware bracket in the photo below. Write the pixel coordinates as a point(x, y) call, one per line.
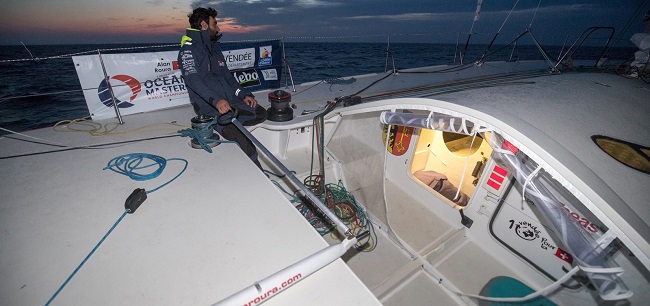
point(483, 210)
point(464, 220)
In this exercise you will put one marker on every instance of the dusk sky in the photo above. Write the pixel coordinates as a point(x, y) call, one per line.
point(438, 21)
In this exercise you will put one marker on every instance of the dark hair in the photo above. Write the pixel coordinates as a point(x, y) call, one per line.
point(201, 14)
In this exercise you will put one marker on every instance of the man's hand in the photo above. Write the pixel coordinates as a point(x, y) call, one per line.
point(223, 106)
point(250, 101)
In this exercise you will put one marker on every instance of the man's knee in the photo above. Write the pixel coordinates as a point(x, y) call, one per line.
point(231, 132)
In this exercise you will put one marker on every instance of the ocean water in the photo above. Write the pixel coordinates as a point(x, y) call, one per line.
point(36, 94)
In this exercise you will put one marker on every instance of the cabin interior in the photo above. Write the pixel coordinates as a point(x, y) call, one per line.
point(422, 251)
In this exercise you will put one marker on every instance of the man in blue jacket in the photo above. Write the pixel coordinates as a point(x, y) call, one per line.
point(212, 88)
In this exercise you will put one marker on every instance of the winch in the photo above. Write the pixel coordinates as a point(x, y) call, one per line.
point(280, 110)
point(203, 136)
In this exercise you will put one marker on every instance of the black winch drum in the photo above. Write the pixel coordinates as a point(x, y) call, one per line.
point(202, 124)
point(280, 110)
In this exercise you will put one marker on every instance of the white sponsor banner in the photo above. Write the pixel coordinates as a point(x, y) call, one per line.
point(270, 74)
point(141, 82)
point(240, 58)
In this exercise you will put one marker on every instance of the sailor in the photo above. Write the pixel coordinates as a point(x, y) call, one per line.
point(212, 88)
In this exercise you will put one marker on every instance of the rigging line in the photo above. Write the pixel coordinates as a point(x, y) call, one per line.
point(628, 24)
point(30, 52)
point(471, 30)
point(93, 146)
point(534, 14)
point(444, 70)
point(499, 31)
point(373, 83)
point(95, 128)
point(63, 91)
point(38, 95)
point(478, 82)
point(508, 17)
point(53, 143)
point(85, 52)
point(514, 41)
point(334, 37)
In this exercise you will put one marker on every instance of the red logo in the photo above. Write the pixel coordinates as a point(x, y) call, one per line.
point(175, 65)
point(562, 254)
point(105, 94)
point(510, 147)
point(497, 177)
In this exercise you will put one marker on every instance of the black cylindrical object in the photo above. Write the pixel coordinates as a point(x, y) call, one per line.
point(280, 110)
point(204, 132)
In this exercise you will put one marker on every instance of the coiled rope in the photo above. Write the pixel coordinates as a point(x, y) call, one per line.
point(129, 165)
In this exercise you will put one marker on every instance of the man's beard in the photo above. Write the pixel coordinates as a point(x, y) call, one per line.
point(215, 36)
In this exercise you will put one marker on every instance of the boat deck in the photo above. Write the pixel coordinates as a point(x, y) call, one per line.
point(219, 227)
point(223, 225)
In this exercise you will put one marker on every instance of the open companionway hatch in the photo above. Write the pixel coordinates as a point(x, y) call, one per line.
point(449, 143)
point(448, 161)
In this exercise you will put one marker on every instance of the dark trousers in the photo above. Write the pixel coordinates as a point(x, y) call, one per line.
point(231, 132)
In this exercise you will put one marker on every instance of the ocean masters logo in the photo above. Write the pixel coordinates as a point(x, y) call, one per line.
point(134, 87)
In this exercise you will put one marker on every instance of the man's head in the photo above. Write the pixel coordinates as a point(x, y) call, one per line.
point(205, 19)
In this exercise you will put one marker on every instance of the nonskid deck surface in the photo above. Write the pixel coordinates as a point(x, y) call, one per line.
point(194, 241)
point(37, 182)
point(467, 263)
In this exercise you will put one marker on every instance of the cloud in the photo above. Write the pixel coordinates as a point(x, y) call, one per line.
point(156, 2)
point(231, 25)
point(404, 17)
point(315, 3)
point(415, 16)
point(276, 10)
point(216, 3)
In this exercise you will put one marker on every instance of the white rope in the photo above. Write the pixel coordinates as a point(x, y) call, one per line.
point(429, 125)
point(550, 288)
point(35, 138)
point(526, 182)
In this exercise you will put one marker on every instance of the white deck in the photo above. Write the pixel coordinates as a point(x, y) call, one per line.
point(201, 238)
point(223, 225)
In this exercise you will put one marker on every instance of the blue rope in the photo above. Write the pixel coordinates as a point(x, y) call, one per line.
point(87, 257)
point(127, 165)
point(203, 136)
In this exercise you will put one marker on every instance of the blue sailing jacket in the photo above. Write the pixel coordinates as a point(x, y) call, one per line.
point(207, 77)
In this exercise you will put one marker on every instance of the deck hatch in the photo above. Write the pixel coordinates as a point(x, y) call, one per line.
point(630, 154)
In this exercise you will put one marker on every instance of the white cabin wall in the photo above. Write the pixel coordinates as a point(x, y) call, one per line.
point(357, 146)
